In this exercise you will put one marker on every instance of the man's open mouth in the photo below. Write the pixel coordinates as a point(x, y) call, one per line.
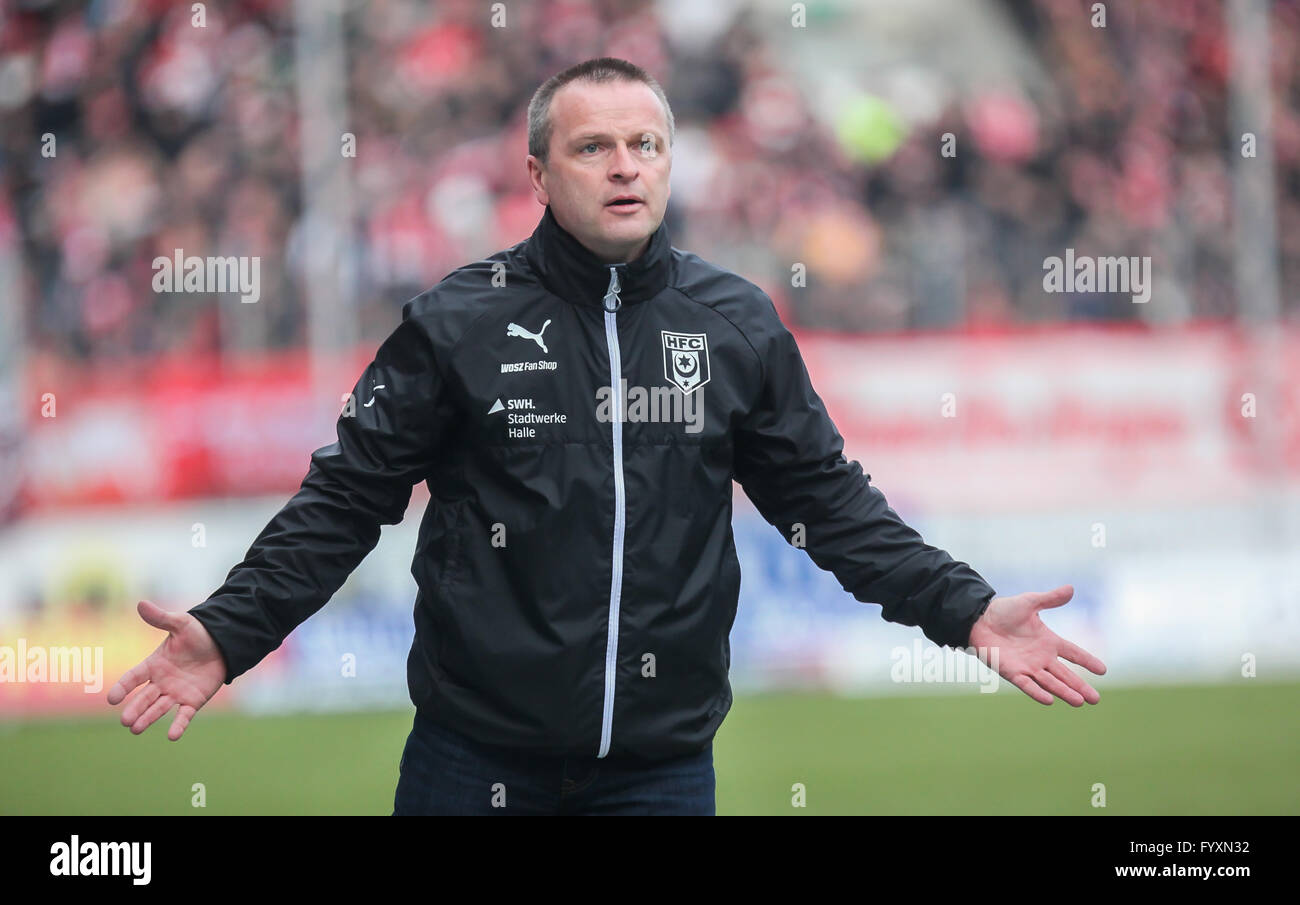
point(624, 202)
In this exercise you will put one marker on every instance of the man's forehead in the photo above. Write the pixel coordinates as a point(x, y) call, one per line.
point(580, 107)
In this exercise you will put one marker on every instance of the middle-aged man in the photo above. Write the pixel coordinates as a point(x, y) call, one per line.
point(579, 406)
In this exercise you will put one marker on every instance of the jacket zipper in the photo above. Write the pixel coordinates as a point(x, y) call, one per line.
point(612, 303)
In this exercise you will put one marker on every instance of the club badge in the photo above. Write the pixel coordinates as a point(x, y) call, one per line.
point(686, 360)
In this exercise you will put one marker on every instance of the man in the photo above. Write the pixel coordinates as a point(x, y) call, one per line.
point(579, 406)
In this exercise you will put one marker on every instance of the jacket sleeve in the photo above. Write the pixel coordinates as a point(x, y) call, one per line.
point(789, 459)
point(352, 486)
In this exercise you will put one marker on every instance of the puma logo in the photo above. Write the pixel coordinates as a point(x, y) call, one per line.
point(516, 330)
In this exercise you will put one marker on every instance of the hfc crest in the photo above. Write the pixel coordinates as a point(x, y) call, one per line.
point(686, 360)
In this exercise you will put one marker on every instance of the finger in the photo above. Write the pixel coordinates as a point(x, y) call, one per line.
point(130, 679)
point(1076, 654)
point(139, 703)
point(1058, 688)
point(184, 714)
point(1054, 597)
point(1066, 675)
point(158, 709)
point(1030, 687)
point(158, 617)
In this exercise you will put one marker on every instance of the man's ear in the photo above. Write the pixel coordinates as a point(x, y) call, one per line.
point(537, 179)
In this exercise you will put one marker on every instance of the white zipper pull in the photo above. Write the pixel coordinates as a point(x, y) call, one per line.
point(613, 290)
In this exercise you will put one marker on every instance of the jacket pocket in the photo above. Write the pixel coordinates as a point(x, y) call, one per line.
point(441, 603)
point(724, 701)
point(451, 550)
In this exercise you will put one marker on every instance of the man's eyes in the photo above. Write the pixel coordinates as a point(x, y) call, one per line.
point(647, 146)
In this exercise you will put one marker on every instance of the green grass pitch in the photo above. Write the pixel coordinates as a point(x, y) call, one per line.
point(1221, 749)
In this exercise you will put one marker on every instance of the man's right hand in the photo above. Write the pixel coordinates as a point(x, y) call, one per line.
point(186, 669)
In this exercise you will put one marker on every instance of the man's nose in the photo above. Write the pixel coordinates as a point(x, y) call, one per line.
point(624, 164)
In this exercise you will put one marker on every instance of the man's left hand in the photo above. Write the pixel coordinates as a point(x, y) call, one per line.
point(1028, 651)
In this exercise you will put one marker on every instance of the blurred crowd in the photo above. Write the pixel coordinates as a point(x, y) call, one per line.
point(126, 132)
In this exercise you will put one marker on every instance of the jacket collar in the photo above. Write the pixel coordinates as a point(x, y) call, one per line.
point(569, 269)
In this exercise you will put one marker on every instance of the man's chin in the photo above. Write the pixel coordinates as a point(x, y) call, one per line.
point(625, 230)
point(631, 221)
point(628, 226)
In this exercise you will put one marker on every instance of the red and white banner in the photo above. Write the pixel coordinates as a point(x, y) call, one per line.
point(1032, 419)
point(1039, 419)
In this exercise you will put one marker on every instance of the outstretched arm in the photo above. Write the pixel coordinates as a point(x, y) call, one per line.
point(387, 437)
point(789, 459)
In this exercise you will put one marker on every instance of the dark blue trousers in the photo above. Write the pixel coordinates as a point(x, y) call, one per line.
point(446, 772)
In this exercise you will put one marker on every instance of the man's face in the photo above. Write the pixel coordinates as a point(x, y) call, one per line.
point(608, 141)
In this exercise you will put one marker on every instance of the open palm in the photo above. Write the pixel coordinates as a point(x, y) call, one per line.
point(1028, 653)
point(186, 669)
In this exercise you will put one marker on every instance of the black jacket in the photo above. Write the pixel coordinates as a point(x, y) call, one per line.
point(577, 574)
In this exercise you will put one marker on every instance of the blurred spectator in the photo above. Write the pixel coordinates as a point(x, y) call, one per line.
point(171, 136)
